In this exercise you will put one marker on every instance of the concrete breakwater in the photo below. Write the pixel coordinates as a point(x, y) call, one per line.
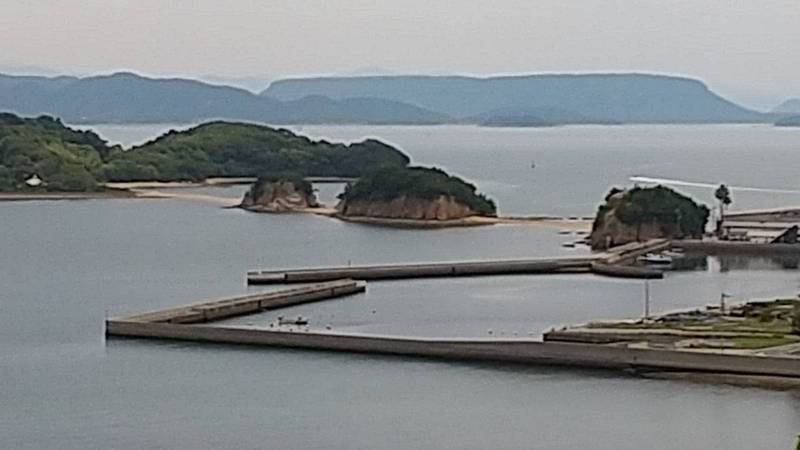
point(192, 323)
point(516, 351)
point(623, 271)
point(247, 304)
point(618, 256)
point(398, 271)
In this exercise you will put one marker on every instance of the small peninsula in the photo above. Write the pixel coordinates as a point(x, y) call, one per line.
point(280, 193)
point(413, 196)
point(639, 213)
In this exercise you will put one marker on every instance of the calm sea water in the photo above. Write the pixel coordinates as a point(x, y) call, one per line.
point(66, 265)
point(576, 166)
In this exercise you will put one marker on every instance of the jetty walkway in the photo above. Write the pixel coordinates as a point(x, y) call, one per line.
point(605, 263)
point(246, 304)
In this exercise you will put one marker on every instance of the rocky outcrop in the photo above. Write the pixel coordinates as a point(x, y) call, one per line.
point(640, 214)
point(614, 232)
point(442, 208)
point(278, 196)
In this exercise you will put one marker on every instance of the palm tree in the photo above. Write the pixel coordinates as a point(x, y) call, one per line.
point(723, 196)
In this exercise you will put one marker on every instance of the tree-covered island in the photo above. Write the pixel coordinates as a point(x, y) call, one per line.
point(44, 155)
point(642, 213)
point(68, 160)
point(413, 193)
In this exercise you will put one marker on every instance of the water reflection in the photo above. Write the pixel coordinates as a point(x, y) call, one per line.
point(748, 262)
point(727, 263)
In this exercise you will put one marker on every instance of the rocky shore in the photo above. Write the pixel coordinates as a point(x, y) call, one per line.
point(441, 209)
point(279, 196)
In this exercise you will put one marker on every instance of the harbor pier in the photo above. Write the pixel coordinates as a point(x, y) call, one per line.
point(621, 255)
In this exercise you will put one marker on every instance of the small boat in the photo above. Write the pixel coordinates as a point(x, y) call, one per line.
point(673, 254)
point(568, 244)
point(655, 258)
point(564, 231)
point(300, 320)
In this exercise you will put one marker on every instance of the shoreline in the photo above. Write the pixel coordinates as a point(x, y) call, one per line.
point(171, 190)
point(52, 196)
point(472, 221)
point(580, 224)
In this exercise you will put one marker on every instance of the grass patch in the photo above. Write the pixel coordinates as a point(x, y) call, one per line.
point(754, 343)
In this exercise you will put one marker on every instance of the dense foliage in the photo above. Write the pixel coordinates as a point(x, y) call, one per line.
point(238, 149)
point(416, 182)
point(70, 160)
point(67, 159)
point(659, 205)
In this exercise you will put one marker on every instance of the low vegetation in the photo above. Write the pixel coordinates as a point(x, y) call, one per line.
point(752, 325)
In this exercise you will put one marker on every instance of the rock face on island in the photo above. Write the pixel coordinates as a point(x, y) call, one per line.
point(280, 194)
point(639, 214)
point(415, 194)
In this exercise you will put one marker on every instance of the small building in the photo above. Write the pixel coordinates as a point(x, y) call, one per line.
point(767, 227)
point(34, 181)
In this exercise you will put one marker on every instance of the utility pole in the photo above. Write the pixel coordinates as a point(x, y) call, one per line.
point(722, 297)
point(646, 300)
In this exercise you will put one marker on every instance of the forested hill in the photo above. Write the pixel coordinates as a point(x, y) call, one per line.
point(230, 149)
point(131, 98)
point(69, 160)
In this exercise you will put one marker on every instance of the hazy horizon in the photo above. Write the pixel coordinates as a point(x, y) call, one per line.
point(743, 51)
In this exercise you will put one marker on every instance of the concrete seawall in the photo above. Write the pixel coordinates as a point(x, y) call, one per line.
point(399, 271)
point(517, 351)
point(249, 304)
point(618, 256)
point(620, 271)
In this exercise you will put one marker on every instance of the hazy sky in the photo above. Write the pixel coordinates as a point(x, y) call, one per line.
point(745, 49)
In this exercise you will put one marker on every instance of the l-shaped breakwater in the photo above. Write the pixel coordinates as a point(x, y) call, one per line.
point(195, 323)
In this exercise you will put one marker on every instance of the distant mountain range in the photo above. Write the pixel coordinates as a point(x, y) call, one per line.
point(530, 100)
point(791, 106)
point(130, 98)
point(626, 98)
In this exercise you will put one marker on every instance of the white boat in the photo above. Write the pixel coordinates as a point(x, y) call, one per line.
point(674, 254)
point(655, 258)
